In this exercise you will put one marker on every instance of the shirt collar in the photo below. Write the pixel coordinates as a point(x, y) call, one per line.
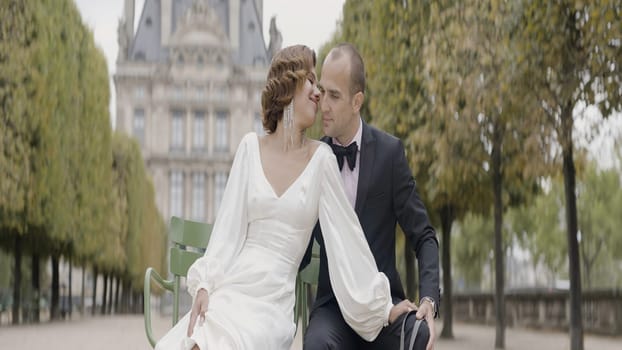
point(357, 137)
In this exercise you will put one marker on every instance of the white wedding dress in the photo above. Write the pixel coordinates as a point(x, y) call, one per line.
point(257, 243)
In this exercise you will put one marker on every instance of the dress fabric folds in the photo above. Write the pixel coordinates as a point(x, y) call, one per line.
point(257, 242)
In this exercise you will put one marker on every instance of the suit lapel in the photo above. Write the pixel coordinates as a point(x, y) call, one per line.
point(368, 153)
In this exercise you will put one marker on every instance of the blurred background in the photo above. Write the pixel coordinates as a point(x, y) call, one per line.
point(117, 115)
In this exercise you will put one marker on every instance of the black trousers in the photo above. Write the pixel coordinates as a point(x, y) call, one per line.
point(328, 330)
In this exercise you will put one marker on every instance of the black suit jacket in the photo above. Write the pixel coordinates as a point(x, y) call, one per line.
point(387, 195)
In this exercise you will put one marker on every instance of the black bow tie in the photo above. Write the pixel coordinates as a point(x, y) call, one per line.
point(349, 152)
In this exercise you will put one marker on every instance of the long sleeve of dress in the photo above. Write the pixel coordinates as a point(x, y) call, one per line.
point(362, 292)
point(229, 230)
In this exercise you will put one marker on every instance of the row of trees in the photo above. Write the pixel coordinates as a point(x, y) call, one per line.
point(538, 228)
point(68, 186)
point(485, 96)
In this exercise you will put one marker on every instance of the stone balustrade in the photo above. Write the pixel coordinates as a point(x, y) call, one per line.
point(602, 310)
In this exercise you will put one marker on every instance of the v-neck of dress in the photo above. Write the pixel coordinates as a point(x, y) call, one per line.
point(265, 177)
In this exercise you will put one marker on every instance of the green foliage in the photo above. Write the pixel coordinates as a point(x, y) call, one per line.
point(598, 193)
point(16, 35)
point(538, 227)
point(472, 247)
point(59, 186)
point(571, 54)
point(140, 228)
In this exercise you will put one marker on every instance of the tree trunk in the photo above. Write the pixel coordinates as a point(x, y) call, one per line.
point(36, 287)
point(54, 311)
point(83, 297)
point(110, 293)
point(497, 184)
point(17, 279)
point(126, 297)
point(94, 306)
point(103, 310)
point(447, 219)
point(69, 290)
point(576, 324)
point(116, 295)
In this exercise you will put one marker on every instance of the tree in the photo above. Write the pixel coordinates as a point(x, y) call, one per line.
point(597, 192)
point(471, 73)
point(56, 159)
point(471, 249)
point(16, 35)
point(571, 53)
point(141, 227)
point(537, 227)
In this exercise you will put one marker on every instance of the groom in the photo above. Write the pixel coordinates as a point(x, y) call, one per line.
point(381, 188)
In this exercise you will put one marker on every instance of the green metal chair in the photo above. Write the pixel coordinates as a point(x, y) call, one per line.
point(189, 239)
point(307, 278)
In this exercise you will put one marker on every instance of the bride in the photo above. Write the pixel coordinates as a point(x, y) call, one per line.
point(278, 188)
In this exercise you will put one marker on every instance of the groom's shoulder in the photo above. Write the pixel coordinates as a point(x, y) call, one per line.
point(384, 138)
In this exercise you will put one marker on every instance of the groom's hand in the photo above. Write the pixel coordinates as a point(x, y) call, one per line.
point(398, 309)
point(199, 308)
point(426, 311)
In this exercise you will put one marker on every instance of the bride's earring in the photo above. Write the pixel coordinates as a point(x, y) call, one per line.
point(288, 125)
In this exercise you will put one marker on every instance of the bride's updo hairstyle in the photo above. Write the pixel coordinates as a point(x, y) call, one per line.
point(289, 69)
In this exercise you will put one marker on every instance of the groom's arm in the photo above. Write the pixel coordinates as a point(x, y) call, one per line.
point(414, 221)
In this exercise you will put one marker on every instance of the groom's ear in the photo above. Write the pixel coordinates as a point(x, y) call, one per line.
point(357, 101)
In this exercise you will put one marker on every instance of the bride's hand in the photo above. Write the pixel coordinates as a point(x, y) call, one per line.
point(398, 309)
point(198, 310)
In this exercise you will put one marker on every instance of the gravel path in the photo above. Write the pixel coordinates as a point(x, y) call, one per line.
point(127, 332)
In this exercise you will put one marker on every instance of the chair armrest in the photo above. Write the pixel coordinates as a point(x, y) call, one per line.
point(166, 284)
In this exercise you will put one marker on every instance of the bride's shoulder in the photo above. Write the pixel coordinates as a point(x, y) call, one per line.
point(249, 138)
point(319, 147)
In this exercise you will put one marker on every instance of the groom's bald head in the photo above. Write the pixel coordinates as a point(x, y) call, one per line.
point(356, 66)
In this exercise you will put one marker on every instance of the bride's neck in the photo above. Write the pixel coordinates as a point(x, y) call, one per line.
point(291, 140)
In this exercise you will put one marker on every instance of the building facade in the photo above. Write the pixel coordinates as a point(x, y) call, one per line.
point(188, 87)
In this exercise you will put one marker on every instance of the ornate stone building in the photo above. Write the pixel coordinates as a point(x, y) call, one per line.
point(188, 85)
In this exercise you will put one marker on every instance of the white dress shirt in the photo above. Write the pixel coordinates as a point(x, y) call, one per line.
point(351, 177)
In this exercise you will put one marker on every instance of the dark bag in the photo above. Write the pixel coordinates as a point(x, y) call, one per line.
point(413, 335)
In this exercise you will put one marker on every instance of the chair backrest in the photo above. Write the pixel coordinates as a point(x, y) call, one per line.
point(310, 273)
point(306, 279)
point(189, 240)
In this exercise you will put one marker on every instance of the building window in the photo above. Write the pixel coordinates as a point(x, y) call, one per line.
point(198, 131)
point(177, 193)
point(220, 92)
point(199, 93)
point(222, 132)
point(259, 130)
point(220, 181)
point(178, 93)
point(177, 130)
point(198, 196)
point(139, 125)
point(139, 92)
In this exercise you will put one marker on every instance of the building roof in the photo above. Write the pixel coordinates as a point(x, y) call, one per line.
point(146, 45)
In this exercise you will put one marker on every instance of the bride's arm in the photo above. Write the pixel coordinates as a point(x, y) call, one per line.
point(362, 292)
point(229, 230)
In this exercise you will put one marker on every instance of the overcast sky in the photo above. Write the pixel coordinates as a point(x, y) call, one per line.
point(301, 22)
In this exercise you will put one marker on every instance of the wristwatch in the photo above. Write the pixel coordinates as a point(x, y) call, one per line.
point(431, 301)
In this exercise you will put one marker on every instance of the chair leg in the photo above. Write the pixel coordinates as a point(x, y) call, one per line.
point(304, 307)
point(176, 300)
